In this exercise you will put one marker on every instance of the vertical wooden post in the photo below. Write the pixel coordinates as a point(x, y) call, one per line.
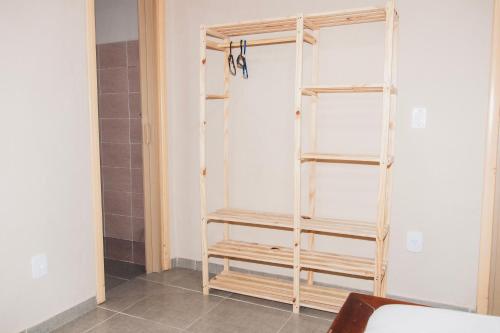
point(297, 163)
point(203, 164)
point(313, 140)
point(94, 153)
point(383, 192)
point(227, 76)
point(490, 171)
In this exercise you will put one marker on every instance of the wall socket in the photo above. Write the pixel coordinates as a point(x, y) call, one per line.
point(415, 241)
point(39, 266)
point(419, 117)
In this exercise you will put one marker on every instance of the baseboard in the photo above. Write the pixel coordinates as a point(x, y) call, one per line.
point(63, 318)
point(217, 268)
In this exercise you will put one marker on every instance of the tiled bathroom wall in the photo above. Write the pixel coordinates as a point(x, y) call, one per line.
point(121, 150)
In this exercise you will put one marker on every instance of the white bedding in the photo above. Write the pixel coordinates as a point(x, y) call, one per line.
point(417, 319)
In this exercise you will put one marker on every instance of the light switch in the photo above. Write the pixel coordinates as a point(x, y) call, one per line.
point(419, 117)
point(414, 241)
point(39, 266)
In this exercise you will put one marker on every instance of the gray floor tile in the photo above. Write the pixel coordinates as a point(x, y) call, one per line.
point(264, 302)
point(174, 307)
point(305, 324)
point(126, 324)
point(129, 293)
point(318, 313)
point(233, 316)
point(183, 278)
point(122, 269)
point(112, 282)
point(86, 321)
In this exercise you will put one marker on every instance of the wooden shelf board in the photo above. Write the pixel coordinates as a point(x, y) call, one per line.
point(214, 96)
point(280, 290)
point(313, 22)
point(283, 256)
point(341, 158)
point(343, 228)
point(268, 41)
point(324, 89)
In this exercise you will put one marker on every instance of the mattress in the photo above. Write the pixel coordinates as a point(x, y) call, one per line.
point(415, 319)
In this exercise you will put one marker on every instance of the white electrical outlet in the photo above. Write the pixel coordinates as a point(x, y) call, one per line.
point(419, 117)
point(415, 241)
point(39, 266)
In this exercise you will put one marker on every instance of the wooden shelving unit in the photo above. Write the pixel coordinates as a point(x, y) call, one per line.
point(297, 257)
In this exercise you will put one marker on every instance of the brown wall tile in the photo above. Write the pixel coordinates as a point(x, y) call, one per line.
point(115, 130)
point(113, 80)
point(112, 55)
point(133, 53)
point(138, 205)
point(113, 105)
point(117, 202)
point(136, 155)
point(116, 179)
point(138, 229)
point(115, 154)
point(118, 226)
point(139, 253)
point(135, 130)
point(137, 181)
point(118, 249)
point(133, 80)
point(134, 100)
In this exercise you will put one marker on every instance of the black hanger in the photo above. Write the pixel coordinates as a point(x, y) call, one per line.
point(230, 60)
point(241, 61)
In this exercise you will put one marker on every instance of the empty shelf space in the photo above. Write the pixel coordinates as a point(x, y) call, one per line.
point(313, 22)
point(247, 217)
point(344, 228)
point(212, 96)
point(275, 289)
point(283, 256)
point(345, 17)
point(338, 227)
point(341, 158)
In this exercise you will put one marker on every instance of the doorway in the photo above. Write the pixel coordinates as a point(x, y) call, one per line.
point(127, 87)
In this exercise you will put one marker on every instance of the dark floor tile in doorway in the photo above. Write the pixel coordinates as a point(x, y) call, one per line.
point(305, 324)
point(112, 282)
point(122, 269)
point(234, 316)
point(174, 307)
point(86, 322)
point(126, 324)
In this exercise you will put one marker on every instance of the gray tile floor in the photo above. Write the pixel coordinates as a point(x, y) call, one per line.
point(172, 302)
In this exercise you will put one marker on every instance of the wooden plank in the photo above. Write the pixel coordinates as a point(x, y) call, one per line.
point(313, 138)
point(284, 256)
point(95, 153)
point(280, 290)
point(268, 41)
point(490, 170)
point(323, 89)
point(357, 16)
point(297, 163)
point(341, 158)
point(203, 165)
point(227, 77)
point(214, 33)
point(211, 45)
point(214, 96)
point(384, 147)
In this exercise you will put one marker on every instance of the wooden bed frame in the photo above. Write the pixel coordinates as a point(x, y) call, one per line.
point(356, 311)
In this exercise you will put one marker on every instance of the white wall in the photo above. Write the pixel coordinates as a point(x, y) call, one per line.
point(116, 20)
point(45, 170)
point(444, 65)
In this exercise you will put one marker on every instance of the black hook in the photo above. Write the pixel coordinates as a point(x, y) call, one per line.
point(241, 61)
point(230, 60)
